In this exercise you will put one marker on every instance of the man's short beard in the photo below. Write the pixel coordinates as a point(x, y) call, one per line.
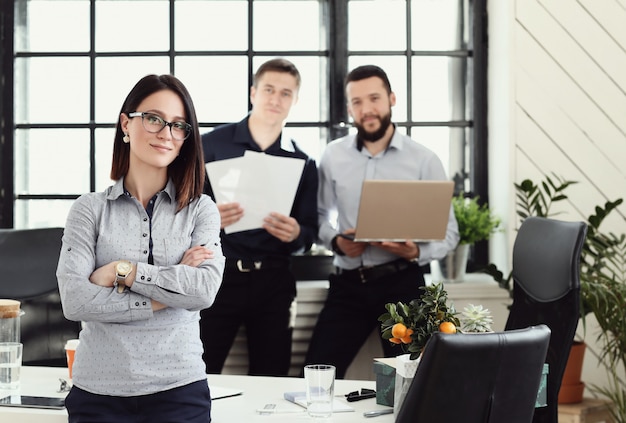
point(364, 135)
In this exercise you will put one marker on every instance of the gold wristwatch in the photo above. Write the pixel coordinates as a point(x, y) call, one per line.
point(122, 270)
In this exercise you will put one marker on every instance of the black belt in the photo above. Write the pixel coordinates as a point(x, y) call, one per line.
point(366, 274)
point(254, 265)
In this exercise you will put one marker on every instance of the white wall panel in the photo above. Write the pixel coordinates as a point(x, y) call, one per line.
point(611, 15)
point(574, 62)
point(592, 165)
point(589, 31)
point(568, 106)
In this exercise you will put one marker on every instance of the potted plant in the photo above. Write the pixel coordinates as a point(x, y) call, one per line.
point(476, 223)
point(602, 278)
point(410, 326)
point(476, 319)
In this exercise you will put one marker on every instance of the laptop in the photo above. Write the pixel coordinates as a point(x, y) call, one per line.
point(393, 210)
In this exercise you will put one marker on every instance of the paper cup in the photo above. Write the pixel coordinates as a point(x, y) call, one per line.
point(70, 350)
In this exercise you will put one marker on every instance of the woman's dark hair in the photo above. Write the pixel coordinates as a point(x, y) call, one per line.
point(187, 170)
point(368, 71)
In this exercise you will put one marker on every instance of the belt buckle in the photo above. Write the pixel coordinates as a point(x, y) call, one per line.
point(257, 266)
point(362, 270)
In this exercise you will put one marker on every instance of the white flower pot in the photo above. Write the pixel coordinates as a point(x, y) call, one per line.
point(452, 267)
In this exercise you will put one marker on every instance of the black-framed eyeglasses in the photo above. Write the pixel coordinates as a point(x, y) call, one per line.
point(154, 123)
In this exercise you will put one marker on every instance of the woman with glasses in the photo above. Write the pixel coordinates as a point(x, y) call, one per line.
point(138, 263)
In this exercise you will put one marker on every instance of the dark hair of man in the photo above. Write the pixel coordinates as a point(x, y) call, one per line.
point(368, 71)
point(277, 65)
point(187, 170)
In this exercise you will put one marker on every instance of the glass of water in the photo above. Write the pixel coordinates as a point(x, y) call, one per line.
point(320, 387)
point(10, 365)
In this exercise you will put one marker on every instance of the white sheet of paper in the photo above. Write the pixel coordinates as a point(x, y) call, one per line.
point(259, 182)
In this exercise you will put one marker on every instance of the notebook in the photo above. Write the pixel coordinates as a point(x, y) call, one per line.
point(393, 210)
point(339, 406)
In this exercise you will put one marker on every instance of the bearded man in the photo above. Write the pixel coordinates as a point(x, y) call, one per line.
point(369, 274)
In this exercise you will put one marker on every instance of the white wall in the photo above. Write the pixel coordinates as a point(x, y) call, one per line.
point(557, 104)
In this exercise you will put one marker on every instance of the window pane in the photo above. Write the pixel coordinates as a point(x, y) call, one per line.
point(211, 25)
point(436, 139)
point(218, 86)
point(51, 161)
point(104, 156)
point(313, 95)
point(311, 140)
point(44, 26)
point(395, 68)
point(132, 25)
point(51, 90)
point(116, 76)
point(41, 213)
point(377, 25)
point(438, 88)
point(287, 25)
point(436, 24)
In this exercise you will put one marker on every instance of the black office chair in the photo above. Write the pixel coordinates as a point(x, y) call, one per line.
point(546, 290)
point(477, 378)
point(28, 263)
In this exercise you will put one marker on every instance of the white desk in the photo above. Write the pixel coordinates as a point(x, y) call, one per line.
point(257, 391)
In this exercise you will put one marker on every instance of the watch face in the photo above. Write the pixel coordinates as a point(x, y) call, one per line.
point(123, 268)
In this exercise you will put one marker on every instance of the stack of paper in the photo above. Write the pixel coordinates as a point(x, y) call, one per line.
point(259, 182)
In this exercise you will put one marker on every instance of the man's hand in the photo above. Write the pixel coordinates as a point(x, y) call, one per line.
point(229, 213)
point(407, 250)
point(349, 247)
point(195, 256)
point(283, 227)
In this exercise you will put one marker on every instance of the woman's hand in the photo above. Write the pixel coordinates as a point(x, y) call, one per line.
point(105, 275)
point(195, 256)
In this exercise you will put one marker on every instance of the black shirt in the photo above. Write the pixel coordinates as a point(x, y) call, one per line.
point(231, 141)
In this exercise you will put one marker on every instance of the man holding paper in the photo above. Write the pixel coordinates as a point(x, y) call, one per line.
point(370, 274)
point(265, 188)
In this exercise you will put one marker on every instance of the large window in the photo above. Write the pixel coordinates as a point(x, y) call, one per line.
point(72, 62)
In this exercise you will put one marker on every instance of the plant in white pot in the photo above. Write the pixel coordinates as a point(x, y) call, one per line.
point(410, 326)
point(476, 223)
point(476, 319)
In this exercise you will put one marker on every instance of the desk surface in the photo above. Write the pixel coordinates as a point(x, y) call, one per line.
point(257, 391)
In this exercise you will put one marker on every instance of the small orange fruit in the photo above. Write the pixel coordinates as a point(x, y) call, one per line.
point(407, 338)
point(398, 330)
point(395, 340)
point(447, 327)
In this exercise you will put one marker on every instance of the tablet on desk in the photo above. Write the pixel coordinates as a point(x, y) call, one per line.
point(394, 210)
point(33, 402)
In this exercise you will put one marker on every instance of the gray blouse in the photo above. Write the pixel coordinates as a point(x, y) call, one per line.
point(125, 348)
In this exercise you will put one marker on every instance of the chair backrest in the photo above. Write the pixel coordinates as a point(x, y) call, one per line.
point(546, 290)
point(28, 263)
point(479, 378)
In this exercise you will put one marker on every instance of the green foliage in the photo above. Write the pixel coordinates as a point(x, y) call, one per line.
point(422, 315)
point(602, 279)
point(476, 222)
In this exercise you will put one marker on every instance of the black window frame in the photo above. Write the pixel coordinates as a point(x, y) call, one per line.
point(335, 13)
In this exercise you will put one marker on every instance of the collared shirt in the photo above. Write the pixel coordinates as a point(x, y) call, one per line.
point(125, 348)
point(343, 167)
point(233, 140)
